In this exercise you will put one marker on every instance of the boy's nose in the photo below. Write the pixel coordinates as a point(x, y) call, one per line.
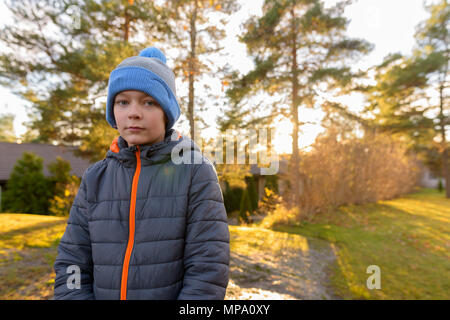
point(134, 111)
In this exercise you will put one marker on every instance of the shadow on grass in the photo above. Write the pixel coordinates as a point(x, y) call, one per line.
point(35, 227)
point(407, 237)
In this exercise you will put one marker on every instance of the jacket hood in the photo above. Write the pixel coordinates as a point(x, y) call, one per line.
point(159, 152)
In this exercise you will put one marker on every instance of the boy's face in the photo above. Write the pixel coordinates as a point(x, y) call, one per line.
point(135, 109)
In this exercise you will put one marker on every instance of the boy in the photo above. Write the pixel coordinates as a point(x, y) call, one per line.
point(141, 226)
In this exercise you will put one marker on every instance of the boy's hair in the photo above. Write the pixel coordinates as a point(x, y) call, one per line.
point(148, 73)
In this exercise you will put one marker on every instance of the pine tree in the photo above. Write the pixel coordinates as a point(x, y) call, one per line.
point(298, 48)
point(198, 37)
point(59, 58)
point(405, 83)
point(27, 190)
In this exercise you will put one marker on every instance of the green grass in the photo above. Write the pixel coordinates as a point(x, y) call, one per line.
point(408, 238)
point(27, 252)
point(253, 240)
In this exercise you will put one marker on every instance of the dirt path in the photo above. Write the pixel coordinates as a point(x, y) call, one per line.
point(279, 267)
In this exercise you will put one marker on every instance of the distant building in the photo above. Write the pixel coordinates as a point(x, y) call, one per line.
point(260, 179)
point(429, 179)
point(11, 152)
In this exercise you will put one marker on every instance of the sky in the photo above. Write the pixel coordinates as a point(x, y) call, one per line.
point(388, 24)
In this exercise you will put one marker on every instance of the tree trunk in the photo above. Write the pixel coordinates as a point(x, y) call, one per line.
point(294, 165)
point(445, 169)
point(191, 67)
point(446, 173)
point(126, 26)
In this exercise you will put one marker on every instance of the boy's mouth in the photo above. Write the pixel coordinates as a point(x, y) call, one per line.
point(135, 129)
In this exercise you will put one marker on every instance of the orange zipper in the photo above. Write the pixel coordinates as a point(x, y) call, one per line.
point(126, 261)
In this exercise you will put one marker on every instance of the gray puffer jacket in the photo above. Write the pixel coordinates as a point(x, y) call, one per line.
point(144, 227)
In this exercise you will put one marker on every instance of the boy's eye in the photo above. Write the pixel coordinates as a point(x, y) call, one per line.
point(121, 102)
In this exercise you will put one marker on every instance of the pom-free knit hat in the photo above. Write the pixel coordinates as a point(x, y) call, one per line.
point(148, 73)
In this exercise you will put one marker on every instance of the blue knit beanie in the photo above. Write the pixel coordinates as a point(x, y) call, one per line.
point(148, 73)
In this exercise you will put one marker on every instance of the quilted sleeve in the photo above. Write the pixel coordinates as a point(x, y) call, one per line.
point(207, 240)
point(73, 265)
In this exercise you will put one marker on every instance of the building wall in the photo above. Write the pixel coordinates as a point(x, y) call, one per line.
point(429, 180)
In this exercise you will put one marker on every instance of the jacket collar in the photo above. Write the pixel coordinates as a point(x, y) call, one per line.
point(150, 154)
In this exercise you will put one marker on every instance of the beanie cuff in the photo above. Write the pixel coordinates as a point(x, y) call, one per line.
point(138, 78)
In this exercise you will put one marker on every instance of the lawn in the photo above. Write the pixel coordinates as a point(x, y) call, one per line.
point(408, 238)
point(264, 263)
point(27, 252)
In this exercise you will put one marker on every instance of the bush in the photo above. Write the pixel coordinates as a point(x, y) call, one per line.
point(61, 204)
point(272, 183)
point(27, 190)
point(440, 186)
point(281, 215)
point(65, 187)
point(269, 201)
point(245, 208)
point(353, 170)
point(252, 193)
point(232, 198)
point(243, 200)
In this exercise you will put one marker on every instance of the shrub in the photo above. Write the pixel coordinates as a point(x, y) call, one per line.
point(355, 171)
point(245, 208)
point(440, 186)
point(27, 190)
point(232, 198)
point(61, 203)
point(281, 215)
point(65, 187)
point(269, 201)
point(272, 183)
point(252, 193)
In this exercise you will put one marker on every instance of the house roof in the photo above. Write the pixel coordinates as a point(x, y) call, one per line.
point(11, 152)
point(282, 167)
